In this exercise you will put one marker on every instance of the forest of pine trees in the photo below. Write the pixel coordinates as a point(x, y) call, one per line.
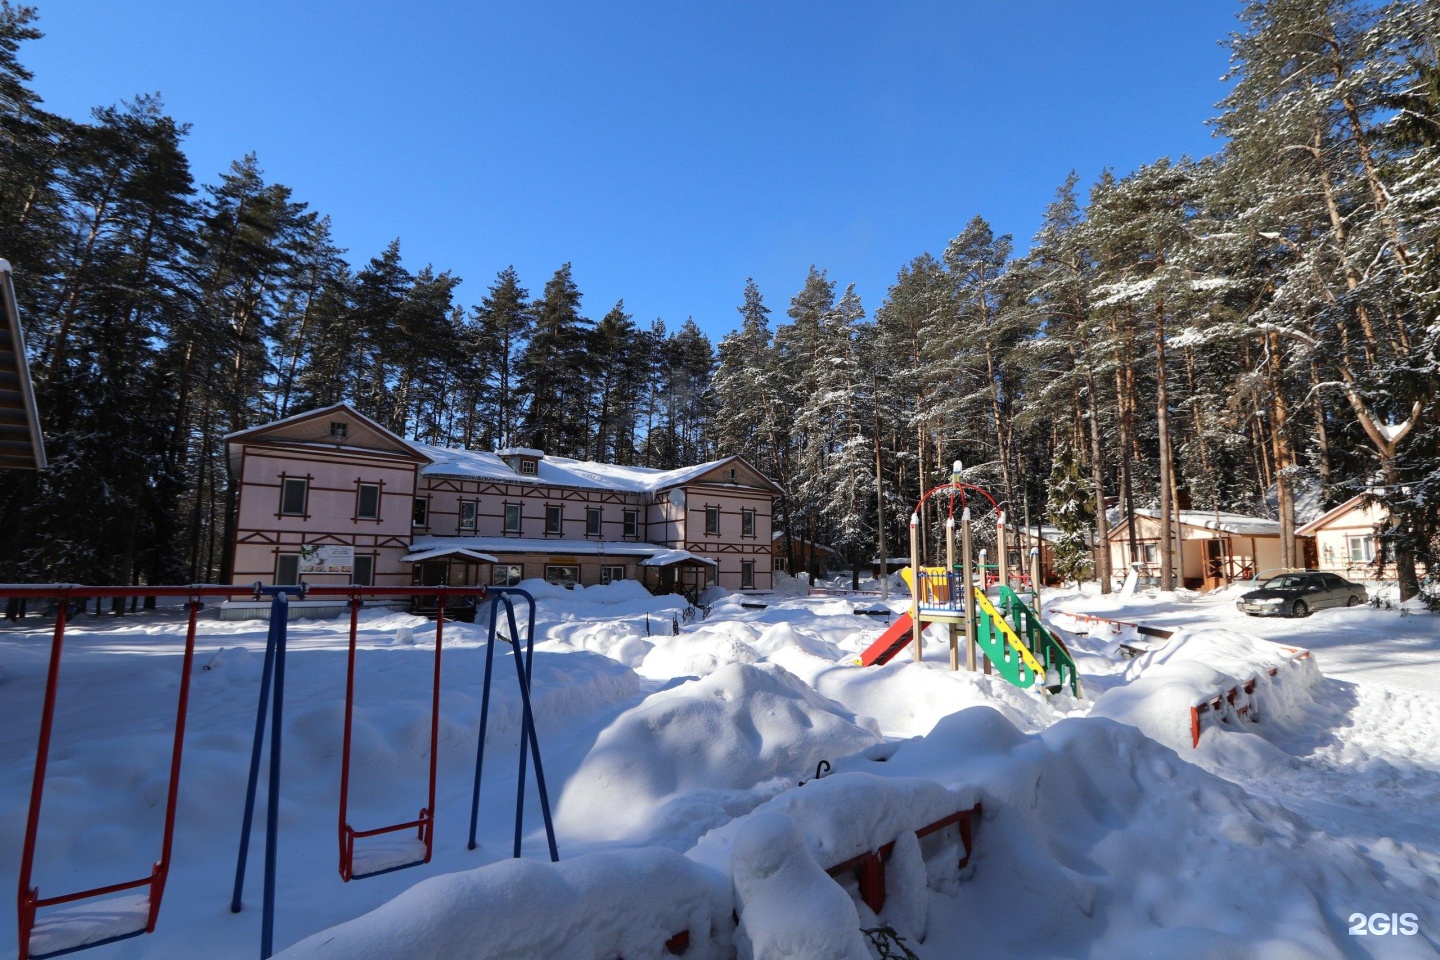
point(1226, 333)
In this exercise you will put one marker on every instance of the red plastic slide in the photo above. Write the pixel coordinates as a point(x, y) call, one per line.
point(891, 642)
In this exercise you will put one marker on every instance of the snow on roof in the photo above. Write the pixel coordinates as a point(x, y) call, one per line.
point(551, 545)
point(561, 471)
point(1333, 514)
point(1224, 522)
point(435, 552)
point(664, 558)
point(520, 452)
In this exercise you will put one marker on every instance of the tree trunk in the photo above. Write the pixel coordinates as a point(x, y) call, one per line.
point(1284, 455)
point(1167, 466)
point(1097, 477)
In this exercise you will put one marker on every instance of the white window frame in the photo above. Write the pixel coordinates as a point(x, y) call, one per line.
point(609, 573)
point(709, 530)
point(423, 506)
point(527, 467)
point(747, 574)
point(1366, 544)
point(747, 522)
point(472, 507)
point(519, 516)
point(632, 523)
point(594, 516)
point(506, 574)
point(559, 528)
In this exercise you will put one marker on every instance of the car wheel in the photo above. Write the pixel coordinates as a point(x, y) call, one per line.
point(1354, 601)
point(1301, 609)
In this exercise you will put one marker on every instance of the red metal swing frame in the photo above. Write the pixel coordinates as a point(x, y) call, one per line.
point(28, 896)
point(424, 824)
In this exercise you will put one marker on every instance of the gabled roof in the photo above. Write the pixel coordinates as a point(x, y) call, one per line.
point(1233, 523)
point(312, 428)
point(586, 474)
point(22, 445)
point(1326, 518)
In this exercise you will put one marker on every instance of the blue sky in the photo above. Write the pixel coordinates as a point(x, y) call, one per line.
point(667, 150)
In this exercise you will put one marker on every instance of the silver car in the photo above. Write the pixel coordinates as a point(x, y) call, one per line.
point(1300, 594)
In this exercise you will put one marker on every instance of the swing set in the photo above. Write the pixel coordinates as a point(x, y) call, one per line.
point(119, 911)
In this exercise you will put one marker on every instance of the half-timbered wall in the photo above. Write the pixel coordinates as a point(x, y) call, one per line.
point(330, 512)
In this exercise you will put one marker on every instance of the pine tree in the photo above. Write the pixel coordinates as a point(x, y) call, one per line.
point(554, 371)
point(1069, 500)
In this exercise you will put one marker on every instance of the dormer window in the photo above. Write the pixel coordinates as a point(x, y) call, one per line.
point(339, 430)
point(522, 460)
point(730, 475)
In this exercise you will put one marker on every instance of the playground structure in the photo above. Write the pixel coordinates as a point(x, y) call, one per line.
point(1005, 633)
point(119, 911)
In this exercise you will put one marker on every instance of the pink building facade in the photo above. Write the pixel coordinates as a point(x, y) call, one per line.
point(331, 497)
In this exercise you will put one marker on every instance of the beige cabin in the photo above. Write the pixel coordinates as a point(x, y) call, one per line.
point(1347, 541)
point(1214, 549)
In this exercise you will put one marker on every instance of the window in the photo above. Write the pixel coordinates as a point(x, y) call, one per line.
point(632, 523)
point(611, 574)
point(506, 574)
point(364, 570)
point(747, 574)
point(592, 522)
point(564, 575)
point(730, 475)
point(367, 502)
point(747, 523)
point(1150, 552)
point(780, 564)
point(553, 518)
point(528, 467)
point(293, 494)
point(420, 515)
point(339, 430)
point(712, 520)
point(467, 514)
point(287, 569)
point(1361, 547)
point(512, 518)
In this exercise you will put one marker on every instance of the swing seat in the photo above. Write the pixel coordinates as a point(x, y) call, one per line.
point(385, 856)
point(382, 851)
point(89, 924)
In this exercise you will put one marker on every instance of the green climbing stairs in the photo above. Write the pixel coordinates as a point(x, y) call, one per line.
point(1055, 661)
point(1002, 645)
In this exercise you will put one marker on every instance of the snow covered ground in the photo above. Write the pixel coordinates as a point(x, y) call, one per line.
point(674, 761)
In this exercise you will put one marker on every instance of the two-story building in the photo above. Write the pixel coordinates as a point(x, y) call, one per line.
point(330, 496)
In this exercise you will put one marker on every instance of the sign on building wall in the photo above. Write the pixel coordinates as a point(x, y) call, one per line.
point(330, 558)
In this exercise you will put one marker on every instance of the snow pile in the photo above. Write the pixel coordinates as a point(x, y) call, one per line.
point(775, 853)
point(699, 653)
point(599, 906)
point(1097, 841)
point(788, 906)
point(690, 758)
point(1196, 666)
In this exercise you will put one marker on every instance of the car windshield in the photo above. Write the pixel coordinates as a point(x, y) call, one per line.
point(1285, 583)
